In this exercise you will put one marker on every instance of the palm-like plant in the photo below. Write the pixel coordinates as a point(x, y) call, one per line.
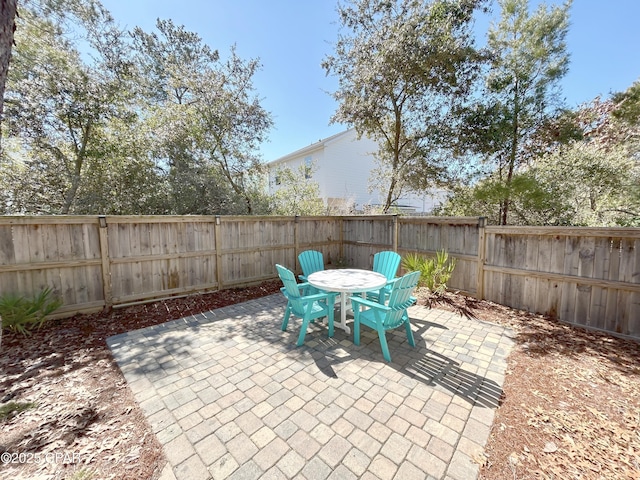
point(21, 314)
point(434, 272)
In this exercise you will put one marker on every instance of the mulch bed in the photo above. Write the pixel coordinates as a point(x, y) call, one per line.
point(570, 409)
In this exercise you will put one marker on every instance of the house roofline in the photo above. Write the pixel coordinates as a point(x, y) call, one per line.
point(320, 144)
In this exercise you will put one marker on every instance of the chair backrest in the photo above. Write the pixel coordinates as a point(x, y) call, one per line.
point(291, 289)
point(400, 298)
point(386, 263)
point(311, 261)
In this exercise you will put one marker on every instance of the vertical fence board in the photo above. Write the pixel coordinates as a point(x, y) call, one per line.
point(541, 262)
point(52, 275)
point(136, 286)
point(7, 245)
point(597, 307)
point(531, 258)
point(80, 281)
point(146, 268)
point(20, 238)
point(155, 237)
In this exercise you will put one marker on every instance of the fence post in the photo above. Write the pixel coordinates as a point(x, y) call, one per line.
point(296, 246)
point(107, 288)
point(341, 248)
point(481, 258)
point(218, 242)
point(394, 233)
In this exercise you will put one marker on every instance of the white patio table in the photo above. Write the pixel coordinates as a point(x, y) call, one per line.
point(347, 281)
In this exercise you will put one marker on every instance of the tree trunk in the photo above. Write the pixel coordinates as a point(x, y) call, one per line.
point(78, 162)
point(7, 28)
point(512, 155)
point(389, 199)
point(395, 146)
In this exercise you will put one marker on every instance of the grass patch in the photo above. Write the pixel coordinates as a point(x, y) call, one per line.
point(82, 475)
point(9, 409)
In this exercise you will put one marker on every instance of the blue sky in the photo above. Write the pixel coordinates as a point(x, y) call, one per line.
point(291, 38)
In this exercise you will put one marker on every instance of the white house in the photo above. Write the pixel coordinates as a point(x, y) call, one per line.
point(343, 164)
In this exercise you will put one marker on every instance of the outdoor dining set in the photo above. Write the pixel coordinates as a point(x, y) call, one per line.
point(378, 298)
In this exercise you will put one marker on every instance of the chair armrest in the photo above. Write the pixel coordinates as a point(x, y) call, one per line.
point(320, 296)
point(392, 281)
point(368, 303)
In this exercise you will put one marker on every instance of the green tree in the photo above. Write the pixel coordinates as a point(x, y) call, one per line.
point(297, 193)
point(599, 173)
point(7, 27)
point(595, 185)
point(587, 172)
point(148, 123)
point(128, 180)
point(528, 58)
point(627, 104)
point(207, 118)
point(400, 66)
point(532, 202)
point(59, 106)
point(232, 124)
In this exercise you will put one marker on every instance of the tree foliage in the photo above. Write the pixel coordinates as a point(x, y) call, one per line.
point(105, 121)
point(7, 29)
point(297, 193)
point(400, 65)
point(59, 106)
point(207, 119)
point(528, 57)
point(589, 177)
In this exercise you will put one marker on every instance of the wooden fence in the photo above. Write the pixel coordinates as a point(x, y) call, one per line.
point(585, 276)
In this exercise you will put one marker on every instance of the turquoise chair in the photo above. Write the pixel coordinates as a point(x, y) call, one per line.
point(301, 304)
point(311, 261)
point(386, 317)
point(387, 264)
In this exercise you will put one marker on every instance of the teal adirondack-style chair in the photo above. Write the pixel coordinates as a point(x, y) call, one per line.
point(386, 317)
point(311, 261)
point(301, 304)
point(387, 264)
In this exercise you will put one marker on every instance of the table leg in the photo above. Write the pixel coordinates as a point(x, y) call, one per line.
point(343, 313)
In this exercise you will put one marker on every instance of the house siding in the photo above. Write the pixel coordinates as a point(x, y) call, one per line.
point(343, 166)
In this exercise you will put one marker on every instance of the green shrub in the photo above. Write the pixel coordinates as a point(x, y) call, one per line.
point(434, 272)
point(21, 314)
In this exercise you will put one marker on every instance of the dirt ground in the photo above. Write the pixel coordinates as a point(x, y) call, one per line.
point(570, 408)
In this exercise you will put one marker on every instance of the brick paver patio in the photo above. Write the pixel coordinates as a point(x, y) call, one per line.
point(230, 396)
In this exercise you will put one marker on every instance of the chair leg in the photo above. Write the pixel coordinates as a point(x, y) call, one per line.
point(303, 331)
point(407, 327)
point(356, 325)
point(383, 344)
point(285, 319)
